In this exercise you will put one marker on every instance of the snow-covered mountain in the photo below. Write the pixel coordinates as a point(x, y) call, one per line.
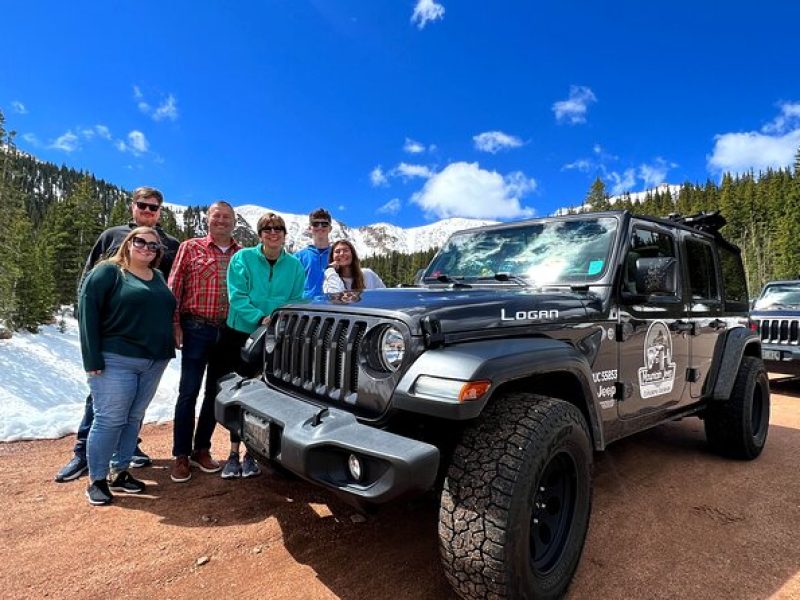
point(369, 240)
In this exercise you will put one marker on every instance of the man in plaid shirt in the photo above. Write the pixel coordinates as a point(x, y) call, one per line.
point(198, 280)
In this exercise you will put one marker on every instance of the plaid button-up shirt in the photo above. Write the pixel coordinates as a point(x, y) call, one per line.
point(198, 279)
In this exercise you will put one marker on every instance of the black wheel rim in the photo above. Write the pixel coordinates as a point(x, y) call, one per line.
point(552, 512)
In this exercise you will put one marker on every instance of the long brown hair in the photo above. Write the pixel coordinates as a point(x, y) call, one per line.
point(355, 266)
point(122, 257)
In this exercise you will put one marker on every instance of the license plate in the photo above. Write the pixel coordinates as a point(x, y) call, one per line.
point(256, 431)
point(771, 354)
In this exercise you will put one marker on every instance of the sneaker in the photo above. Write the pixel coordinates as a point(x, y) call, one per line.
point(181, 471)
point(124, 482)
point(232, 468)
point(73, 469)
point(203, 460)
point(250, 467)
point(98, 493)
point(139, 459)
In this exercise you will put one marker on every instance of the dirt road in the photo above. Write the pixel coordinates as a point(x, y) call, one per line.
point(670, 520)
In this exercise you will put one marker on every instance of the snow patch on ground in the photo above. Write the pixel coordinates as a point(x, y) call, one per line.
point(43, 385)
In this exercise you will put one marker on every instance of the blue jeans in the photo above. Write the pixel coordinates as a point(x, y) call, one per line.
point(121, 395)
point(215, 351)
point(199, 341)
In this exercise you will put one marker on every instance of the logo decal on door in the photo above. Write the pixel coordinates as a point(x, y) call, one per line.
point(657, 376)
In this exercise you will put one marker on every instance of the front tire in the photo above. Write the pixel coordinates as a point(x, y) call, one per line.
point(516, 500)
point(738, 427)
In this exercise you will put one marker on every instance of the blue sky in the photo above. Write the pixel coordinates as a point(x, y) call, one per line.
point(402, 110)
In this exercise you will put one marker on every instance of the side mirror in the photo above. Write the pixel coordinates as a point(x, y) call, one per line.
point(656, 275)
point(252, 352)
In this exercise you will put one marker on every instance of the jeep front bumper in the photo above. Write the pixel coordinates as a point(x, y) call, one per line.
point(316, 443)
point(778, 358)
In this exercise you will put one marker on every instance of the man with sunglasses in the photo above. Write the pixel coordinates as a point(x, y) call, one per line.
point(199, 284)
point(315, 257)
point(146, 210)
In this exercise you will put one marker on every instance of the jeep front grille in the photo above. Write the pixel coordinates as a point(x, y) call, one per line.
point(779, 331)
point(318, 354)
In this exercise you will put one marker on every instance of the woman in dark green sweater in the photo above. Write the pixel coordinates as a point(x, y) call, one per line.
point(125, 314)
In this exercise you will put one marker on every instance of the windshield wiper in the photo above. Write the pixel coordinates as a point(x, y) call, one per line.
point(505, 276)
point(444, 278)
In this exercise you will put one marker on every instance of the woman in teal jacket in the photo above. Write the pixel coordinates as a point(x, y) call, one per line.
point(260, 279)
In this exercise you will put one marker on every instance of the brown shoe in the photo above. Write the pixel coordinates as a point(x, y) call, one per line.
point(203, 460)
point(180, 470)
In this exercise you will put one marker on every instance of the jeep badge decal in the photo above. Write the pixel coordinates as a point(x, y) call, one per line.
point(657, 375)
point(528, 315)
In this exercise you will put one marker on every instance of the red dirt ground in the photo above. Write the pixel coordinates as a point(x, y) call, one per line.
point(670, 520)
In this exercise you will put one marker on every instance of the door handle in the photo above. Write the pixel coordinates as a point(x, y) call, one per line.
point(717, 324)
point(684, 326)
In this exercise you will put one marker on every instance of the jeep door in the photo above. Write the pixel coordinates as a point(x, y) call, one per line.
point(703, 308)
point(654, 343)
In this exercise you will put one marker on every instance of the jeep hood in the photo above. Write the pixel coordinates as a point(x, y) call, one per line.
point(461, 309)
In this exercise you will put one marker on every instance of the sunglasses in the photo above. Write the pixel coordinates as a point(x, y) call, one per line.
point(271, 229)
point(142, 243)
point(320, 224)
point(147, 206)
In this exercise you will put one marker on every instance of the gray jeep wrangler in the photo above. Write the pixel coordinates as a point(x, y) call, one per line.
point(776, 313)
point(526, 347)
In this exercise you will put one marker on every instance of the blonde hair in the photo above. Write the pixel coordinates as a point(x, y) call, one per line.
point(122, 257)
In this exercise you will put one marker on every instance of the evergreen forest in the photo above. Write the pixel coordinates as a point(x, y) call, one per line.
point(52, 216)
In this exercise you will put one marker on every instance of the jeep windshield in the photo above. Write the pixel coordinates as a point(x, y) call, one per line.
point(556, 252)
point(779, 296)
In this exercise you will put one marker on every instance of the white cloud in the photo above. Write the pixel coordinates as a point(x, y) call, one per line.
point(740, 152)
point(408, 171)
point(18, 107)
point(168, 109)
point(573, 109)
point(413, 146)
point(67, 142)
point(465, 190)
point(31, 139)
point(377, 177)
point(494, 141)
point(103, 131)
point(655, 173)
point(788, 119)
point(774, 146)
point(341, 208)
point(622, 183)
point(584, 165)
point(137, 143)
point(426, 11)
point(392, 207)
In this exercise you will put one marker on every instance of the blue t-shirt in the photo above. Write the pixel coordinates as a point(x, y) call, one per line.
point(314, 261)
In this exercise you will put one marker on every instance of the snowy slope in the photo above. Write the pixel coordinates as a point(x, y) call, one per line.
point(43, 386)
point(378, 238)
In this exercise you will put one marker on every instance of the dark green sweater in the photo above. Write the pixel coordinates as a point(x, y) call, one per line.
point(123, 314)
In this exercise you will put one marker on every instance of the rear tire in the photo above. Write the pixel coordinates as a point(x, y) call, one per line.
point(738, 427)
point(516, 501)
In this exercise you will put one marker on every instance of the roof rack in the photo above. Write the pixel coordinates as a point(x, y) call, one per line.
point(711, 222)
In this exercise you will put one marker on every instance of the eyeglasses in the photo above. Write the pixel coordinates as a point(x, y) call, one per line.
point(320, 224)
point(148, 206)
point(271, 229)
point(141, 243)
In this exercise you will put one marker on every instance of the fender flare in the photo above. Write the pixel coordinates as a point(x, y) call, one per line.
point(500, 361)
point(737, 342)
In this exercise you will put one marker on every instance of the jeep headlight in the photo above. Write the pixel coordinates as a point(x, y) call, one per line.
point(392, 348)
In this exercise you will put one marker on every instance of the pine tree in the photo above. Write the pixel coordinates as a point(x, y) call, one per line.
point(598, 198)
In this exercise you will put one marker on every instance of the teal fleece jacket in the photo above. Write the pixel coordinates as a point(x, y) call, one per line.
point(256, 288)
